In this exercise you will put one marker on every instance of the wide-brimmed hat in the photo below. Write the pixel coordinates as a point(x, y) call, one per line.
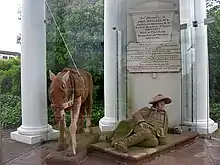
point(160, 97)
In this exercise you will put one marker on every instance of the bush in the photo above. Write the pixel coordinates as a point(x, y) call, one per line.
point(8, 64)
point(97, 114)
point(82, 28)
point(215, 111)
point(10, 114)
point(10, 94)
point(10, 77)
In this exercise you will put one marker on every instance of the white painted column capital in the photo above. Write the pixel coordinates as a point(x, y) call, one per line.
point(34, 126)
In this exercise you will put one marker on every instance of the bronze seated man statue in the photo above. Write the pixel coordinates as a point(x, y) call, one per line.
point(147, 127)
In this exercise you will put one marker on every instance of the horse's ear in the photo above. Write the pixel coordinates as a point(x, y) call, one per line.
point(51, 74)
point(65, 77)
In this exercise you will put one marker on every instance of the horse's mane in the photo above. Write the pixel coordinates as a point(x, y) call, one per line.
point(68, 69)
point(72, 71)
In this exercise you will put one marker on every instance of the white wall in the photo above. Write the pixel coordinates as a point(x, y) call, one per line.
point(142, 86)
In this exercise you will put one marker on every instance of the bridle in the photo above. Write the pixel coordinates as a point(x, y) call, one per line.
point(61, 107)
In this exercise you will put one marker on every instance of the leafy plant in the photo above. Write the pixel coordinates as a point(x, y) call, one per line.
point(214, 111)
point(10, 114)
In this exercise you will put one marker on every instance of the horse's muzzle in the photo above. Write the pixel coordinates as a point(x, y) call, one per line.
point(57, 112)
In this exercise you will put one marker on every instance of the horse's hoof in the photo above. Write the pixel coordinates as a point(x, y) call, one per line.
point(61, 147)
point(70, 153)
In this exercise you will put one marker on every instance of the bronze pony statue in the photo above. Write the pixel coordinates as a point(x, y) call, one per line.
point(71, 89)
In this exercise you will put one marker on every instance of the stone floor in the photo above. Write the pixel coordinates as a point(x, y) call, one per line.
point(12, 149)
point(202, 152)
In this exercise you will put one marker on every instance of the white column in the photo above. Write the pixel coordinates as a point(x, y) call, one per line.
point(108, 122)
point(191, 11)
point(187, 16)
point(204, 123)
point(34, 126)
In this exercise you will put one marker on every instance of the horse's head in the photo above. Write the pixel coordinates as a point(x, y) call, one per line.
point(57, 93)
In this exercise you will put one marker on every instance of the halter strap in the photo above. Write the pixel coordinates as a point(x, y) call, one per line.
point(68, 104)
point(64, 105)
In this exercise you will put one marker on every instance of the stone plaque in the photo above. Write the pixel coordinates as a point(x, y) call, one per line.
point(153, 27)
point(154, 57)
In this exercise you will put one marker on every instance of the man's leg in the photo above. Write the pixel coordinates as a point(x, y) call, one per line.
point(140, 135)
point(151, 143)
point(162, 141)
point(106, 136)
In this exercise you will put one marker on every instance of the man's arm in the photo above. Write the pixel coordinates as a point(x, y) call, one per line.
point(138, 116)
point(174, 130)
point(106, 136)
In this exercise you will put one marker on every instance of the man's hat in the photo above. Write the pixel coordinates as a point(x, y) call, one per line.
point(160, 97)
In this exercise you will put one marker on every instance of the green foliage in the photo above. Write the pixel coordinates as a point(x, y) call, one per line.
point(85, 39)
point(214, 62)
point(214, 111)
point(214, 58)
point(97, 114)
point(8, 64)
point(10, 110)
point(10, 76)
point(81, 23)
point(10, 114)
point(214, 78)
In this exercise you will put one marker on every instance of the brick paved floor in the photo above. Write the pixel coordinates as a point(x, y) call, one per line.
point(202, 152)
point(12, 149)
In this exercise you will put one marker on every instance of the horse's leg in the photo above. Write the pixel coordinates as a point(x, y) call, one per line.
point(88, 103)
point(73, 127)
point(80, 122)
point(61, 141)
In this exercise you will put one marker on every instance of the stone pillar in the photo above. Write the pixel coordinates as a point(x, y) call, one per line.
point(203, 122)
point(188, 55)
point(108, 122)
point(34, 126)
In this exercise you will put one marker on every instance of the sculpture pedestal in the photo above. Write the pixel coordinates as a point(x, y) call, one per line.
point(59, 158)
point(139, 155)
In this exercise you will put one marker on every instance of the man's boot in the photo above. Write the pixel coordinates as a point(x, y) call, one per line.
point(123, 144)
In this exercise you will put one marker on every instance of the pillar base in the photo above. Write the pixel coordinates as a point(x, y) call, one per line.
point(35, 136)
point(107, 124)
point(201, 126)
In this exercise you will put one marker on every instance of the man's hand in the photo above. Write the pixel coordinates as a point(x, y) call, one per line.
point(143, 124)
point(177, 130)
